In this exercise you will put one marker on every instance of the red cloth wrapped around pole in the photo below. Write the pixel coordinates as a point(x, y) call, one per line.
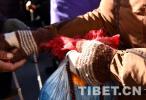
point(60, 45)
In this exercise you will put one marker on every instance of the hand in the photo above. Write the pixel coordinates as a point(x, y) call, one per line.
point(93, 61)
point(6, 66)
point(10, 67)
point(27, 42)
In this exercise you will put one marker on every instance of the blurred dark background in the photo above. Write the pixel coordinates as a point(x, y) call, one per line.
point(17, 9)
point(41, 17)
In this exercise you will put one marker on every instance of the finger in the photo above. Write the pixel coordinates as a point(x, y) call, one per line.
point(5, 55)
point(10, 67)
point(5, 66)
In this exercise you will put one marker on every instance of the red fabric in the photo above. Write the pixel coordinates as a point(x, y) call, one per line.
point(61, 45)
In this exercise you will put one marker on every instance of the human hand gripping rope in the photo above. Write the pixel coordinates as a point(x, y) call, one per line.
point(25, 42)
point(5, 57)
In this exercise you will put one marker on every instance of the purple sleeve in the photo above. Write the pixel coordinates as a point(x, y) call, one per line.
point(67, 9)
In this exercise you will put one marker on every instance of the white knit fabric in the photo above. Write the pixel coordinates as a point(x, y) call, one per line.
point(12, 39)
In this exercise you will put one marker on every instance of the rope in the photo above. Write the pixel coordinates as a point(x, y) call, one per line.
point(117, 4)
point(116, 14)
point(37, 71)
point(17, 86)
point(72, 92)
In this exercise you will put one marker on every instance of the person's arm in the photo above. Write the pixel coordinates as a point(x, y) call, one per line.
point(78, 26)
point(129, 67)
point(28, 41)
point(92, 61)
point(97, 63)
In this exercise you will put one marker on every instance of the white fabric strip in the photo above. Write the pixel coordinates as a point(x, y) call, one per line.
point(73, 55)
point(29, 41)
point(12, 39)
point(22, 42)
point(25, 42)
point(33, 43)
point(86, 72)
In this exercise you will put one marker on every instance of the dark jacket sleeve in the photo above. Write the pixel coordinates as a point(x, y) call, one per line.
point(78, 26)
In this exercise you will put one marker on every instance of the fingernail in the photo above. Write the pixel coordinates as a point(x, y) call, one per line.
point(9, 55)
